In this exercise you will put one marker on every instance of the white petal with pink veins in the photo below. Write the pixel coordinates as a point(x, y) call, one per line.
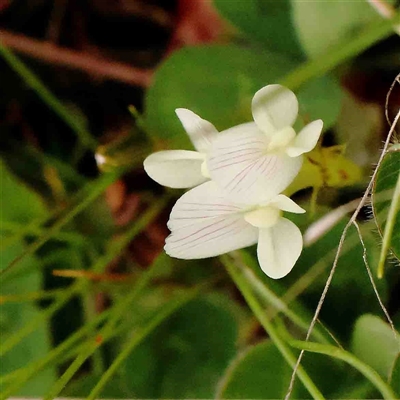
point(240, 164)
point(204, 224)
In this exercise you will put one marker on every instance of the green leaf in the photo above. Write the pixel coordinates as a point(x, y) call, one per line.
point(269, 23)
point(261, 373)
point(343, 355)
point(14, 198)
point(218, 83)
point(386, 202)
point(321, 24)
point(373, 342)
point(258, 373)
point(193, 348)
point(14, 316)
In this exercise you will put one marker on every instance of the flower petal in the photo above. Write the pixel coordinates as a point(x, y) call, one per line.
point(175, 168)
point(306, 139)
point(278, 248)
point(240, 164)
point(200, 131)
point(274, 107)
point(263, 217)
point(204, 224)
point(285, 203)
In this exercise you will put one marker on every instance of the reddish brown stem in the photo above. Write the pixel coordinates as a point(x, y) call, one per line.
point(95, 66)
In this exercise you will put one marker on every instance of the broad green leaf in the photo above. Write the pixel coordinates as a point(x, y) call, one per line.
point(259, 373)
point(385, 196)
point(262, 373)
point(19, 204)
point(322, 24)
point(267, 22)
point(193, 348)
point(335, 352)
point(15, 315)
point(218, 83)
point(373, 342)
point(187, 355)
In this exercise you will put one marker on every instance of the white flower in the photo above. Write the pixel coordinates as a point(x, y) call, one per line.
point(253, 162)
point(182, 168)
point(204, 223)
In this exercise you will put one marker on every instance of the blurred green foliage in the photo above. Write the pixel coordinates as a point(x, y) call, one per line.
point(166, 328)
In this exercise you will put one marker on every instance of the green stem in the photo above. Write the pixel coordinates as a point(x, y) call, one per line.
point(244, 287)
point(52, 102)
point(22, 375)
point(16, 228)
point(66, 351)
point(31, 296)
point(390, 223)
point(105, 333)
point(377, 31)
point(7, 345)
point(28, 372)
point(137, 227)
point(269, 296)
point(89, 309)
point(97, 188)
point(160, 317)
point(349, 358)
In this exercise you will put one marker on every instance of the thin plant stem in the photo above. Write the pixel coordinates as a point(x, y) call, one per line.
point(268, 295)
point(9, 343)
point(48, 98)
point(30, 296)
point(137, 227)
point(386, 10)
point(96, 190)
point(258, 311)
point(105, 333)
point(161, 316)
point(389, 227)
point(28, 372)
point(339, 249)
point(349, 358)
point(22, 375)
point(72, 238)
point(337, 55)
point(371, 278)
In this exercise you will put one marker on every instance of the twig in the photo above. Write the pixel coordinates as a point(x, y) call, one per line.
point(397, 79)
point(371, 278)
point(340, 246)
point(57, 55)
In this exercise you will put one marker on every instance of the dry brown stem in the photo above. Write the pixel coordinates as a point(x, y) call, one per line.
point(94, 66)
